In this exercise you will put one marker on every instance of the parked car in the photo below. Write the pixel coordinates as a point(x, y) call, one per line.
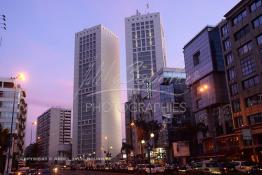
point(44, 172)
point(150, 168)
point(207, 166)
point(228, 167)
point(256, 170)
point(160, 168)
point(244, 166)
point(22, 171)
point(130, 168)
point(32, 172)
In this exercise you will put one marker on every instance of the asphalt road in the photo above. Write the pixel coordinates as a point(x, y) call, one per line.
point(85, 172)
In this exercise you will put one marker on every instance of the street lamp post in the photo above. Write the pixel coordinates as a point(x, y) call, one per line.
point(149, 142)
point(10, 144)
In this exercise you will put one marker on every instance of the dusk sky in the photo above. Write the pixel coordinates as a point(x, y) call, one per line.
point(40, 39)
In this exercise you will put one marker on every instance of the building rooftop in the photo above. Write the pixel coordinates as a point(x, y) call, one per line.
point(208, 28)
point(237, 6)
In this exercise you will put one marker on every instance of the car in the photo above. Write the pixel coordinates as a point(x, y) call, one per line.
point(22, 171)
point(130, 168)
point(32, 172)
point(207, 166)
point(256, 170)
point(227, 167)
point(160, 168)
point(182, 170)
point(150, 168)
point(244, 166)
point(44, 172)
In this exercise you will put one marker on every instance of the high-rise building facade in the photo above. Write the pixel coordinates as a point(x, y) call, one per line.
point(242, 47)
point(96, 117)
point(54, 134)
point(13, 99)
point(206, 78)
point(145, 49)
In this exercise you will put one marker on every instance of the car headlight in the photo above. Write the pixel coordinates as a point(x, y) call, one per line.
point(55, 170)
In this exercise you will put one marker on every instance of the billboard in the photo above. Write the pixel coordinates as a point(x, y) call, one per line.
point(181, 149)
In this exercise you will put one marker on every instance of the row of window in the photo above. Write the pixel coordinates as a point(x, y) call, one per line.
point(7, 84)
point(245, 48)
point(143, 34)
point(255, 118)
point(253, 100)
point(144, 49)
point(255, 5)
point(242, 32)
point(246, 84)
point(251, 82)
point(239, 18)
point(248, 66)
point(142, 23)
point(143, 42)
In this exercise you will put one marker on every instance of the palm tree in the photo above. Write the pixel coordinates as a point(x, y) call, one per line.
point(4, 140)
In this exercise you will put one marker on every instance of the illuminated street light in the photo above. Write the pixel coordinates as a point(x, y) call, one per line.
point(21, 76)
point(132, 124)
point(152, 135)
point(106, 138)
point(143, 141)
point(111, 147)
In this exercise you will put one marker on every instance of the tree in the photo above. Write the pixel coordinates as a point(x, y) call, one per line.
point(4, 140)
point(145, 128)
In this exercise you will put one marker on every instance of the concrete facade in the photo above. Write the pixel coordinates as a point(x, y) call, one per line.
point(97, 117)
point(54, 134)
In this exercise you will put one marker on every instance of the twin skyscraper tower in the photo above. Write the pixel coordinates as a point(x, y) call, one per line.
point(97, 101)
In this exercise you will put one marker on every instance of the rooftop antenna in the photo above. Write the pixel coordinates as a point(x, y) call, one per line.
point(137, 12)
point(147, 7)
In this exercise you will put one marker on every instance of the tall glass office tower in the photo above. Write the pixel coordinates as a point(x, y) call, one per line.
point(145, 49)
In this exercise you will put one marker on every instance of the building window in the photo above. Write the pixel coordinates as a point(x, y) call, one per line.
point(9, 85)
point(257, 22)
point(234, 89)
point(245, 48)
point(248, 66)
point(239, 18)
point(236, 105)
point(255, 118)
point(227, 44)
point(196, 58)
point(224, 30)
point(255, 5)
point(238, 122)
point(231, 74)
point(242, 32)
point(253, 100)
point(251, 82)
point(259, 39)
point(229, 59)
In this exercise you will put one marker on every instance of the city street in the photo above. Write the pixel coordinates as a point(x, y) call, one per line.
point(85, 172)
